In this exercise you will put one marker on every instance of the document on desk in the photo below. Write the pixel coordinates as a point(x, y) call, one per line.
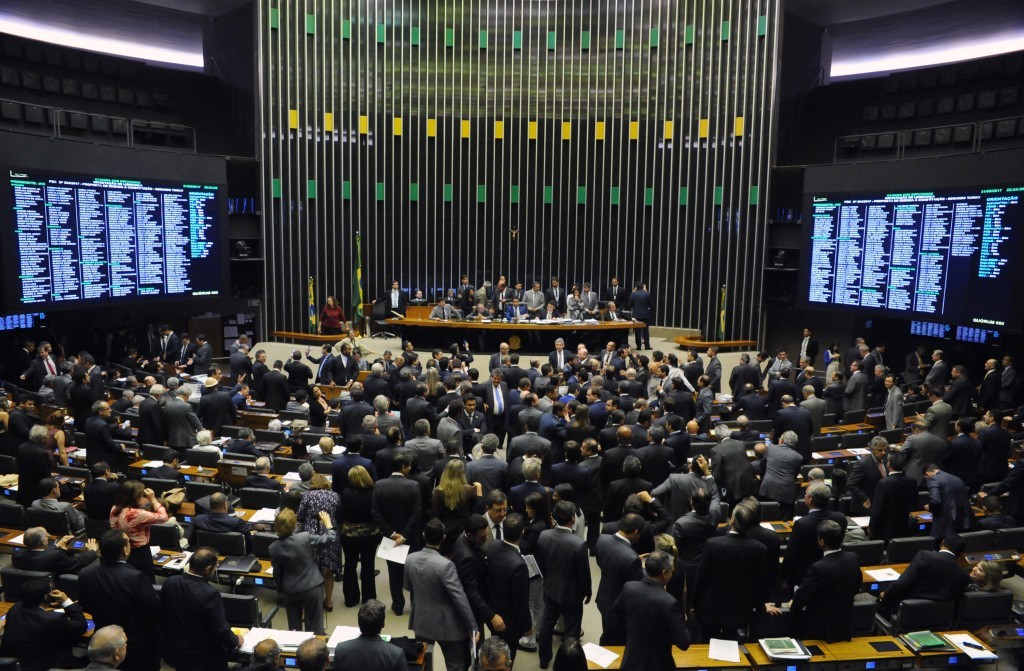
point(263, 515)
point(859, 451)
point(726, 651)
point(17, 540)
point(884, 574)
point(603, 657)
point(862, 522)
point(342, 633)
point(392, 551)
point(287, 640)
point(156, 463)
point(970, 645)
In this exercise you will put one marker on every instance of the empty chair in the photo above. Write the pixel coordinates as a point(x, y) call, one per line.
point(284, 465)
point(159, 485)
point(243, 610)
point(864, 606)
point(854, 416)
point(976, 541)
point(853, 441)
point(771, 511)
point(322, 467)
point(869, 553)
point(825, 443)
point(12, 515)
point(202, 458)
point(96, 528)
point(261, 542)
point(228, 431)
point(153, 452)
point(75, 472)
point(902, 550)
point(919, 614)
point(11, 580)
point(68, 583)
point(267, 436)
point(165, 536)
point(1006, 539)
point(892, 436)
point(225, 543)
point(8, 464)
point(829, 419)
point(54, 521)
point(256, 498)
point(197, 490)
point(978, 609)
point(762, 425)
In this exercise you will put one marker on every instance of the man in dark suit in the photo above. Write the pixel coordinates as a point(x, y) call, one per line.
point(517, 495)
point(99, 435)
point(260, 477)
point(641, 306)
point(114, 592)
point(960, 396)
point(398, 509)
point(418, 407)
point(240, 365)
point(619, 490)
point(931, 575)
point(808, 347)
point(563, 560)
point(1013, 486)
point(731, 467)
point(193, 612)
point(42, 638)
point(33, 466)
point(556, 295)
point(616, 293)
point(731, 582)
point(803, 549)
point(41, 366)
point(55, 558)
point(619, 564)
point(170, 345)
point(21, 420)
point(216, 408)
point(169, 469)
point(369, 651)
point(752, 405)
point(995, 449)
point(988, 390)
point(714, 370)
point(151, 419)
point(352, 414)
point(571, 472)
point(471, 565)
point(949, 503)
point(866, 474)
point(397, 300)
point(653, 618)
point(275, 388)
point(218, 520)
point(496, 404)
point(791, 417)
point(259, 372)
point(509, 582)
point(325, 365)
point(742, 375)
point(895, 497)
point(100, 492)
point(823, 605)
point(488, 470)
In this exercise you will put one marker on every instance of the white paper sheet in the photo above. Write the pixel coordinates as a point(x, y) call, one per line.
point(532, 566)
point(263, 515)
point(390, 551)
point(768, 526)
point(598, 655)
point(18, 540)
point(974, 653)
point(859, 451)
point(727, 651)
point(342, 634)
point(285, 639)
point(156, 463)
point(862, 522)
point(884, 574)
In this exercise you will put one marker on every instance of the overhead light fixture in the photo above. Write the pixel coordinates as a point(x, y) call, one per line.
point(143, 51)
point(910, 59)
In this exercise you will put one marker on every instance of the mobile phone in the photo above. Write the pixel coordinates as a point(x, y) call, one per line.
point(90, 626)
point(163, 559)
point(78, 545)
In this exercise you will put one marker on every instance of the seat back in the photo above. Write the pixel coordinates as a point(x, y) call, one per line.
point(323, 467)
point(285, 415)
point(826, 468)
point(828, 419)
point(854, 416)
point(68, 583)
point(864, 614)
point(228, 431)
point(96, 528)
point(825, 443)
point(771, 511)
point(979, 540)
point(256, 498)
point(153, 452)
point(268, 436)
point(159, 485)
point(54, 521)
point(869, 553)
point(771, 626)
point(75, 472)
point(239, 456)
point(1010, 539)
point(893, 436)
point(761, 425)
point(241, 610)
point(202, 458)
point(853, 441)
point(8, 464)
point(284, 465)
point(166, 536)
point(902, 550)
point(12, 515)
point(197, 490)
point(918, 614)
point(224, 542)
point(978, 609)
point(11, 580)
point(261, 542)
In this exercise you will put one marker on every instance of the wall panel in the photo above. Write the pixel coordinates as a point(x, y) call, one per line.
point(578, 139)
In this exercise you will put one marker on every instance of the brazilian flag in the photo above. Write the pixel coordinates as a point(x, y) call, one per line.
point(721, 314)
point(312, 307)
point(357, 284)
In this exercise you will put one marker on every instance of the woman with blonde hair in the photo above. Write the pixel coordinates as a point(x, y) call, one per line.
point(986, 577)
point(319, 498)
point(135, 510)
point(453, 500)
point(299, 581)
point(360, 536)
point(666, 543)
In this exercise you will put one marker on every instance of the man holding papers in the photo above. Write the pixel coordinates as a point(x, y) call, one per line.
point(397, 507)
point(369, 651)
point(653, 618)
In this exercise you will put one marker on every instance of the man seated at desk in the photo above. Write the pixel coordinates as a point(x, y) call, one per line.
point(169, 469)
point(29, 624)
point(443, 312)
point(56, 558)
point(244, 444)
point(516, 312)
point(49, 499)
point(219, 520)
point(550, 312)
point(260, 477)
point(931, 575)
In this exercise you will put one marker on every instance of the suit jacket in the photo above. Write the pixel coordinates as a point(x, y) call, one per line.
point(99, 442)
point(398, 507)
point(618, 491)
point(99, 498)
point(730, 581)
point(33, 466)
point(403, 301)
point(714, 371)
point(182, 424)
point(931, 575)
point(894, 499)
point(368, 652)
point(260, 481)
point(324, 368)
point(741, 375)
point(425, 452)
point(798, 420)
point(202, 358)
point(166, 472)
point(816, 407)
point(117, 593)
point(893, 409)
point(152, 429)
point(824, 603)
point(856, 393)
point(192, 610)
point(42, 639)
point(654, 624)
point(961, 460)
point(471, 566)
point(949, 504)
point(995, 452)
point(240, 364)
point(216, 410)
point(295, 569)
point(440, 609)
point(219, 523)
point(1013, 484)
point(565, 563)
point(922, 448)
point(489, 471)
point(549, 297)
point(754, 406)
point(960, 396)
point(937, 418)
point(782, 466)
point(619, 564)
point(619, 294)
point(802, 549)
point(864, 477)
point(53, 560)
point(732, 469)
point(509, 584)
point(675, 493)
point(275, 390)
point(352, 418)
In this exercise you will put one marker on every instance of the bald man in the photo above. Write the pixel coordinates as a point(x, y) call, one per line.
point(107, 647)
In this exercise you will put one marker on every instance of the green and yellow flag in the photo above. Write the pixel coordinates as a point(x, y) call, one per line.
point(312, 307)
point(721, 314)
point(357, 283)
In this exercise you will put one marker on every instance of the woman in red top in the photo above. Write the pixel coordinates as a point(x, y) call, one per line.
point(332, 319)
point(130, 516)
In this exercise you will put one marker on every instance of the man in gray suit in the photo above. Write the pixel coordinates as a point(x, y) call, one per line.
point(937, 416)
point(782, 465)
point(856, 393)
point(893, 404)
point(675, 493)
point(563, 560)
point(814, 405)
point(939, 373)
point(440, 609)
point(425, 450)
point(369, 651)
point(922, 448)
point(488, 470)
point(714, 370)
point(181, 421)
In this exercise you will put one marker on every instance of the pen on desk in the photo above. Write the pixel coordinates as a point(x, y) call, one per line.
point(969, 644)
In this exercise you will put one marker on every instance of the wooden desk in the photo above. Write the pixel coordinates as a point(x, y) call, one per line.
point(868, 580)
point(262, 572)
point(850, 655)
point(6, 535)
point(514, 333)
point(695, 657)
point(821, 659)
point(944, 660)
point(686, 342)
point(188, 509)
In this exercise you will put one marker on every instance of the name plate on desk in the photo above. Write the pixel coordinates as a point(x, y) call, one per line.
point(240, 470)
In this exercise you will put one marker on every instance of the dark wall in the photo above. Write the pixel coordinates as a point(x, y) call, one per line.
point(500, 166)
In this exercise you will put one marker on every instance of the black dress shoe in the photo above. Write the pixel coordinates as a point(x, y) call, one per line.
point(398, 610)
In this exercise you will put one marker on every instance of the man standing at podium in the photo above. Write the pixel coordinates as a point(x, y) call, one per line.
point(396, 299)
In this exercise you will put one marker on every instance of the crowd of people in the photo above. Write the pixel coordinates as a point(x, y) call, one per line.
point(504, 480)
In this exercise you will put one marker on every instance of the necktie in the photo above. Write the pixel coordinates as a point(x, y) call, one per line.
point(163, 343)
point(881, 468)
point(320, 373)
point(183, 349)
point(497, 532)
point(560, 362)
point(447, 312)
point(497, 401)
point(49, 367)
